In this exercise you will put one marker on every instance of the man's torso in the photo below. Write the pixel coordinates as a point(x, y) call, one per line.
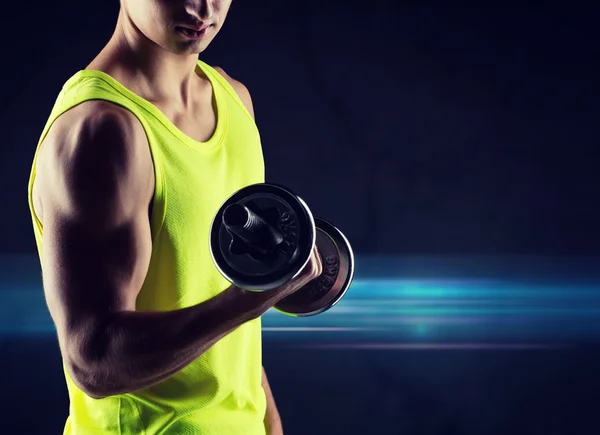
point(189, 184)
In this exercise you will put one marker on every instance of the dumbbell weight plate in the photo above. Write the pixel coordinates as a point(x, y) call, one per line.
point(325, 291)
point(286, 212)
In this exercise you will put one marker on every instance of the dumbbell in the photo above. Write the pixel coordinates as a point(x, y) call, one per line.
point(263, 236)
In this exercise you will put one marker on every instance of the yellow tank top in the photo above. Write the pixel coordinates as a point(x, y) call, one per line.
point(220, 393)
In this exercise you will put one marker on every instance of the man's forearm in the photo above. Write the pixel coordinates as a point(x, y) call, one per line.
point(134, 350)
point(272, 419)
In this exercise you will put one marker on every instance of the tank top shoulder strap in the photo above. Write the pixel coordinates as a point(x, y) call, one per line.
point(217, 77)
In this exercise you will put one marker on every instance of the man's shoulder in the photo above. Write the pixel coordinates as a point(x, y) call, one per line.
point(97, 118)
point(91, 132)
point(233, 82)
point(241, 89)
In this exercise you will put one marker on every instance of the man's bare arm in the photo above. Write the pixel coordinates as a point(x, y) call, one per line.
point(273, 423)
point(94, 181)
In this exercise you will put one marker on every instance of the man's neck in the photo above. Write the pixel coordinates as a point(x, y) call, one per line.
point(157, 73)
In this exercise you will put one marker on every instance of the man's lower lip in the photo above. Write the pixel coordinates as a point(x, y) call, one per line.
point(192, 34)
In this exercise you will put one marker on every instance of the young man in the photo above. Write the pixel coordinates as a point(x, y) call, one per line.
point(140, 150)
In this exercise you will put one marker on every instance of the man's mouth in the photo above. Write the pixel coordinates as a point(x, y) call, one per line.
point(191, 33)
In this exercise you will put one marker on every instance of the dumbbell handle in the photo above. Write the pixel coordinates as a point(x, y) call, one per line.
point(251, 228)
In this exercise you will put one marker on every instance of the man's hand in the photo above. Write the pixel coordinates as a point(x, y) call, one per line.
point(272, 419)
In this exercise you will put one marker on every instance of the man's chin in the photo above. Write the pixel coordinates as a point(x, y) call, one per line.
point(188, 48)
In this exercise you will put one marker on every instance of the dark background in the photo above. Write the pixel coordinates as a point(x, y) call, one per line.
point(416, 129)
point(422, 131)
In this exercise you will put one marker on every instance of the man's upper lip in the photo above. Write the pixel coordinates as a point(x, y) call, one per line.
point(195, 28)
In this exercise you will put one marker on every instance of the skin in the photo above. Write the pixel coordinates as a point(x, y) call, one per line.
point(92, 192)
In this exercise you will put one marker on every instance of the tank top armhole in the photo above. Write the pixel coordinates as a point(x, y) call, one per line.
point(159, 199)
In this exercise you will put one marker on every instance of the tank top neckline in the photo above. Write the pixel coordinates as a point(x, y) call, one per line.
point(210, 145)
